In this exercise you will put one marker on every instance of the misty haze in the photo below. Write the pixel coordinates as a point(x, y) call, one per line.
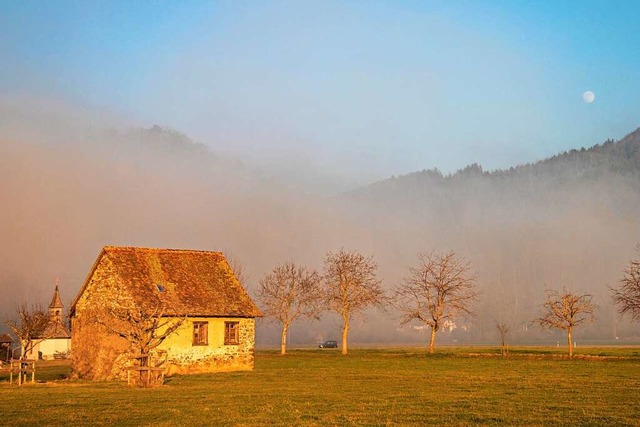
point(570, 220)
point(452, 189)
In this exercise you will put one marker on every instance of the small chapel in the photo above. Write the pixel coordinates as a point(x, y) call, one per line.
point(55, 342)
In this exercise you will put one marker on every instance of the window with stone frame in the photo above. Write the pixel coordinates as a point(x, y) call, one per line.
point(200, 333)
point(231, 333)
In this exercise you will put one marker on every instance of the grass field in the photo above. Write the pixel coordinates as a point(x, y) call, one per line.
point(457, 386)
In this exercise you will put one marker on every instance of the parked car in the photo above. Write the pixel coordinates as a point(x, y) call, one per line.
point(328, 344)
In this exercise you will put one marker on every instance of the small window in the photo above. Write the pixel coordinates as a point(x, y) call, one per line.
point(231, 333)
point(200, 335)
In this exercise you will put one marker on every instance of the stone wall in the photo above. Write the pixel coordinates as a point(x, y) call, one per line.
point(97, 353)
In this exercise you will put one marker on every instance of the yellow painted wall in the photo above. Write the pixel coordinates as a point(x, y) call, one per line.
point(184, 357)
point(183, 337)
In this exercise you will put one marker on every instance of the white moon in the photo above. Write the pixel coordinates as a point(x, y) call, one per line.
point(589, 97)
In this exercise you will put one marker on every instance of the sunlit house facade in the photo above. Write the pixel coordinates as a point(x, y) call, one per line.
point(196, 288)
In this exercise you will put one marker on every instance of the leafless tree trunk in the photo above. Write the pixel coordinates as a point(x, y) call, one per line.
point(432, 340)
point(351, 286)
point(288, 292)
point(440, 288)
point(566, 310)
point(627, 295)
point(283, 339)
point(345, 336)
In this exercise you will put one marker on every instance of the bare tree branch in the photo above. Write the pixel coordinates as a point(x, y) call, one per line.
point(440, 288)
point(505, 316)
point(627, 295)
point(565, 310)
point(351, 286)
point(503, 330)
point(29, 327)
point(288, 292)
point(145, 326)
point(238, 268)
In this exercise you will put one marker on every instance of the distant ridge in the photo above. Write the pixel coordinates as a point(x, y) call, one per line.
point(610, 157)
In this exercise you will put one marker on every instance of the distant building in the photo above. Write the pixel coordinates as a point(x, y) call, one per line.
point(55, 342)
point(218, 329)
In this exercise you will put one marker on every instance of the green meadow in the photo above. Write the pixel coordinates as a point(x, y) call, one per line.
point(391, 386)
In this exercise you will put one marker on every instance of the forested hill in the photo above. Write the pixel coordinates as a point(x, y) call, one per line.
point(609, 158)
point(617, 157)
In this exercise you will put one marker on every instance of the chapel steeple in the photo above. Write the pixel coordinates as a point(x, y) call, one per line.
point(55, 308)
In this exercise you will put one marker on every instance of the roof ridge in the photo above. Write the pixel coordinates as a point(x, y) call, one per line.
point(147, 249)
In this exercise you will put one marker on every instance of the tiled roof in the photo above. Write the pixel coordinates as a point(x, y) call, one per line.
point(192, 283)
point(55, 329)
point(6, 338)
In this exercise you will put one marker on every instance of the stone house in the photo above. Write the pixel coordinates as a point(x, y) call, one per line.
point(196, 288)
point(55, 342)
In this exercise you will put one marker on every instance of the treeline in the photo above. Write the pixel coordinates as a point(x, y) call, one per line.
point(618, 157)
point(440, 288)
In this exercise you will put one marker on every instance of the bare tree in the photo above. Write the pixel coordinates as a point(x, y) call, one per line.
point(505, 316)
point(440, 288)
point(29, 327)
point(288, 292)
point(627, 295)
point(503, 330)
point(143, 326)
point(238, 268)
point(565, 310)
point(351, 285)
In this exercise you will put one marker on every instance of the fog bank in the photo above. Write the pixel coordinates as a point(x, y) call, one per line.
point(73, 183)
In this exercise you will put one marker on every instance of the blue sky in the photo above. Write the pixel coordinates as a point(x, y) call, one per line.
point(359, 90)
